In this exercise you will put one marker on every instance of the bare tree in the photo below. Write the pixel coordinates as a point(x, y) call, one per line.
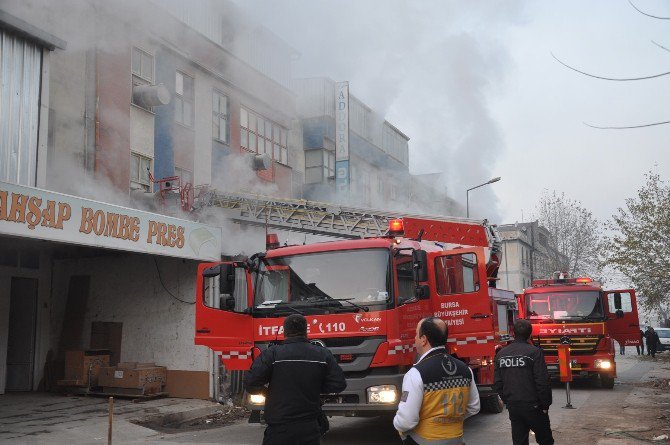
point(576, 236)
point(640, 244)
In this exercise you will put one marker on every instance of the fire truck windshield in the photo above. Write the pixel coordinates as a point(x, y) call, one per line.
point(324, 279)
point(575, 305)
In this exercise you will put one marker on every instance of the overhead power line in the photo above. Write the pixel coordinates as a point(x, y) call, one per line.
point(608, 78)
point(660, 46)
point(644, 13)
point(627, 127)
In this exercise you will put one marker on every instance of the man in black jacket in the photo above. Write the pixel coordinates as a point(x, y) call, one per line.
point(297, 372)
point(652, 341)
point(522, 380)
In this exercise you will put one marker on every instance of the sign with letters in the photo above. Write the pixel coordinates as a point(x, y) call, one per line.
point(342, 121)
point(342, 136)
point(42, 214)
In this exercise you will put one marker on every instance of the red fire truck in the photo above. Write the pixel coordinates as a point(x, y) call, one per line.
point(362, 299)
point(578, 312)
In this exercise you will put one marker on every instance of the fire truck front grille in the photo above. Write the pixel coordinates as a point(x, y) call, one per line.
point(343, 398)
point(578, 346)
point(338, 342)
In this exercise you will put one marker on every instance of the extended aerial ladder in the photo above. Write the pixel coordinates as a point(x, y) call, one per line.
point(338, 221)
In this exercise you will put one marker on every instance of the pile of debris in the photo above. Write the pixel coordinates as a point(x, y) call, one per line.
point(225, 416)
point(194, 420)
point(656, 383)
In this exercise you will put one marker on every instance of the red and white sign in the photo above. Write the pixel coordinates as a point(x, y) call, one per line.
point(569, 329)
point(323, 326)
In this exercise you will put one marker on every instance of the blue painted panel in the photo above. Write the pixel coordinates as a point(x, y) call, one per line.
point(166, 67)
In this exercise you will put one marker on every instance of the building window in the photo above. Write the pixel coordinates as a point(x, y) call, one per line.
point(263, 136)
point(142, 67)
point(328, 164)
point(140, 167)
point(319, 166)
point(220, 128)
point(393, 192)
point(456, 274)
point(183, 103)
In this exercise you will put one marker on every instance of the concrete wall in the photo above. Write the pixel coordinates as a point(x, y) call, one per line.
point(510, 273)
point(126, 288)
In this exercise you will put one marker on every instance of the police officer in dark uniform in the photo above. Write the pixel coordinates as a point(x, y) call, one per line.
point(522, 380)
point(297, 372)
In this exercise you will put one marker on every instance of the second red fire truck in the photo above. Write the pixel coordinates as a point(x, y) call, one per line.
point(578, 312)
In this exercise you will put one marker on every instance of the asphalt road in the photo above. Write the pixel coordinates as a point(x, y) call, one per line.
point(480, 429)
point(47, 418)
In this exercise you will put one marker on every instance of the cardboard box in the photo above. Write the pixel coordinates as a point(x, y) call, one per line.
point(82, 365)
point(143, 378)
point(188, 384)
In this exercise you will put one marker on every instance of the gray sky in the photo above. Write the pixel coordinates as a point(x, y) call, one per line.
point(475, 87)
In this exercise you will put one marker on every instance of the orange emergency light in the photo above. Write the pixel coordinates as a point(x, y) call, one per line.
point(396, 227)
point(271, 241)
point(564, 363)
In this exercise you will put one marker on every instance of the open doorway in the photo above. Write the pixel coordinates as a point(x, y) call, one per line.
point(21, 338)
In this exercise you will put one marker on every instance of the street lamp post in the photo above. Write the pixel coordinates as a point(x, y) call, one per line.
point(467, 196)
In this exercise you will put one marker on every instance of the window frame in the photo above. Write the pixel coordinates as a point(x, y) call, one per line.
point(139, 74)
point(274, 144)
point(220, 115)
point(476, 278)
point(145, 184)
point(181, 99)
point(136, 77)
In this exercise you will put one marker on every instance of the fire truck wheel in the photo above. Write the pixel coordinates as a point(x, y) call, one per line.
point(606, 381)
point(492, 404)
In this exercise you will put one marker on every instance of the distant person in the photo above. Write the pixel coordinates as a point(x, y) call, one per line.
point(647, 335)
point(622, 349)
point(522, 380)
point(640, 347)
point(438, 392)
point(652, 342)
point(297, 372)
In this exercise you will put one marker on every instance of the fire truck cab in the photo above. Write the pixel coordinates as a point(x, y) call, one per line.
point(578, 312)
point(363, 299)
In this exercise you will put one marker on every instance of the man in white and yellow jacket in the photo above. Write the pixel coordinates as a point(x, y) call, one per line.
point(438, 393)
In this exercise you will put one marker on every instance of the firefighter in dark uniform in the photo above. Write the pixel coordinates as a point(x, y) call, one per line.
point(297, 372)
point(522, 380)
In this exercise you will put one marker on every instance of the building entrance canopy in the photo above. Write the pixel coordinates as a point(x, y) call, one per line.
point(41, 214)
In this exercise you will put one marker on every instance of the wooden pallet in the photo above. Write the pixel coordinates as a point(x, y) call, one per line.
point(80, 383)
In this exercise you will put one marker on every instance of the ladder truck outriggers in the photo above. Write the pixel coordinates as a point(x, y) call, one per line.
point(580, 313)
point(362, 294)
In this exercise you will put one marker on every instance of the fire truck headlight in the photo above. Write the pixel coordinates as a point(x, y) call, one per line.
point(602, 364)
point(257, 399)
point(382, 394)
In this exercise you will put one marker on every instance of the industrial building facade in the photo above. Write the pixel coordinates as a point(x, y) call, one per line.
point(100, 101)
point(378, 152)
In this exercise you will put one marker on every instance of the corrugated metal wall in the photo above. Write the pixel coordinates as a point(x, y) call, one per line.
point(20, 74)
